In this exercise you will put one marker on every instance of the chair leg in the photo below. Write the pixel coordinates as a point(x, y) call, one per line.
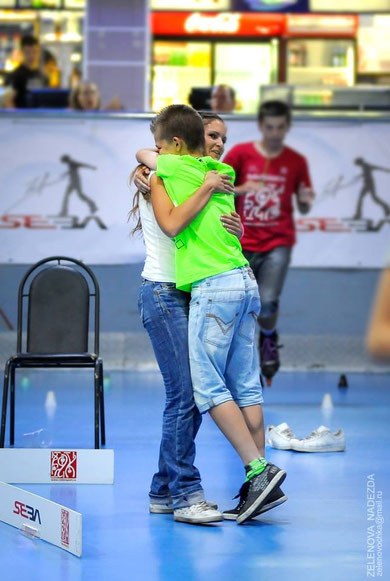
point(97, 403)
point(4, 405)
point(12, 406)
point(102, 416)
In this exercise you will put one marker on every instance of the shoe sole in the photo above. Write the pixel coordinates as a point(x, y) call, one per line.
point(287, 447)
point(158, 510)
point(229, 517)
point(257, 504)
point(270, 506)
point(335, 449)
point(265, 508)
point(201, 521)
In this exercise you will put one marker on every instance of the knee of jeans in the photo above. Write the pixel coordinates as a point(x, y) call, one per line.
point(268, 309)
point(180, 399)
point(141, 308)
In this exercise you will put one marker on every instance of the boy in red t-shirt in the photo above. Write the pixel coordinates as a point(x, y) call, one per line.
point(268, 174)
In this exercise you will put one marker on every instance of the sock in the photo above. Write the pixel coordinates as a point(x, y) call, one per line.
point(257, 466)
point(268, 333)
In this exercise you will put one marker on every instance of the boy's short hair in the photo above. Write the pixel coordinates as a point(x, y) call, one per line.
point(28, 40)
point(274, 109)
point(180, 121)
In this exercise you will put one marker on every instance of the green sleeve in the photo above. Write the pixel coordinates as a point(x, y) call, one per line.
point(167, 165)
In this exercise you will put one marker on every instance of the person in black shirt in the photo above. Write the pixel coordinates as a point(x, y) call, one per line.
point(28, 75)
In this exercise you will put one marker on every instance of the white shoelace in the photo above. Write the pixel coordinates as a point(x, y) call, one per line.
point(315, 434)
point(197, 508)
point(287, 433)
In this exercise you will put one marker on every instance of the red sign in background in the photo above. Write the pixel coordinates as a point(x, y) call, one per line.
point(217, 24)
point(232, 24)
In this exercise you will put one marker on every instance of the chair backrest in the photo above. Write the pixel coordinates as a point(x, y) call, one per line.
point(58, 308)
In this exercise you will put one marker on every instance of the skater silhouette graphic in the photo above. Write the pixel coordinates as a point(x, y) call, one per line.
point(369, 187)
point(75, 184)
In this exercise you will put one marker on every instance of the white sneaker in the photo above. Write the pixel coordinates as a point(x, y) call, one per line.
point(198, 513)
point(279, 436)
point(321, 440)
point(155, 508)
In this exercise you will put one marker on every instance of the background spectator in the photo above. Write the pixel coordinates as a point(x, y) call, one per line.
point(28, 75)
point(86, 97)
point(223, 99)
point(7, 99)
point(51, 68)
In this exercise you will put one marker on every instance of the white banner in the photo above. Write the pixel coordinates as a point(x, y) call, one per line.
point(63, 189)
point(41, 518)
point(349, 161)
point(44, 466)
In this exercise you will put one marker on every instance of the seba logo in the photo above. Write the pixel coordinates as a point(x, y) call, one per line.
point(27, 511)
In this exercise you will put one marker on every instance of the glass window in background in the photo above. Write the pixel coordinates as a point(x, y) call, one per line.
point(61, 38)
point(246, 67)
point(374, 44)
point(40, 3)
point(349, 5)
point(270, 5)
point(190, 5)
point(81, 4)
point(321, 62)
point(177, 67)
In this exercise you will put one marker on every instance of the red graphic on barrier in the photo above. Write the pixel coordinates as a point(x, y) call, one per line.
point(64, 527)
point(63, 465)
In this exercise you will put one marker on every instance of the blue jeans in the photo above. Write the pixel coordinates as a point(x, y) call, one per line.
point(223, 358)
point(164, 313)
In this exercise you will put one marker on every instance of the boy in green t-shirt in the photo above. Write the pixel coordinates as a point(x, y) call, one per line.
point(224, 304)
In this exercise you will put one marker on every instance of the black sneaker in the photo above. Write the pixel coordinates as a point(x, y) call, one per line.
point(276, 497)
point(269, 355)
point(258, 490)
point(232, 514)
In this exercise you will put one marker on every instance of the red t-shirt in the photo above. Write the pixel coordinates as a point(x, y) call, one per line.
point(267, 214)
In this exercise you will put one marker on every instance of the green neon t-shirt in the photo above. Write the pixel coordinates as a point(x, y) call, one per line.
point(205, 248)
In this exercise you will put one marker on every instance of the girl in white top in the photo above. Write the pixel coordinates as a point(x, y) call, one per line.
point(176, 486)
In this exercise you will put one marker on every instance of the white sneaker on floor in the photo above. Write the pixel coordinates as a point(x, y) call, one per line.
point(199, 513)
point(155, 508)
point(279, 436)
point(321, 440)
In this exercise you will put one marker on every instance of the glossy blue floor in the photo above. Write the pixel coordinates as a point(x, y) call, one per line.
point(319, 534)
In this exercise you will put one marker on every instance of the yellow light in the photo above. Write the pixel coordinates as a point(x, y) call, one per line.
point(20, 15)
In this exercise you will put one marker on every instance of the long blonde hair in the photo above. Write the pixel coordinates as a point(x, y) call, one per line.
point(134, 212)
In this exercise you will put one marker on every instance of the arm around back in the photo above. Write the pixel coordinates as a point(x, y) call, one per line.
point(174, 219)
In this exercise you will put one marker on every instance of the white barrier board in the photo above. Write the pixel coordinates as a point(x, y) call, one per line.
point(49, 466)
point(41, 518)
point(56, 188)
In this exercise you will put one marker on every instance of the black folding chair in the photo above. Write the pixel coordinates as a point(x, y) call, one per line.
point(55, 300)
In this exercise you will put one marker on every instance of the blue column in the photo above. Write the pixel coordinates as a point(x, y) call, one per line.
point(116, 50)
